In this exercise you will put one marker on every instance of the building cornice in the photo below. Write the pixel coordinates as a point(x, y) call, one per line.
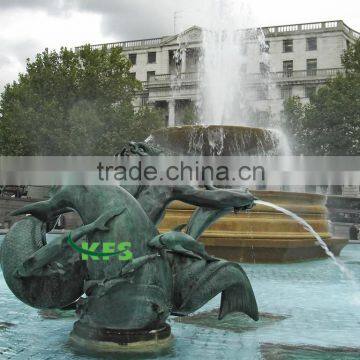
point(269, 31)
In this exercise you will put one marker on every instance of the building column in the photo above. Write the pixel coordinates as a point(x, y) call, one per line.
point(183, 61)
point(171, 121)
point(166, 61)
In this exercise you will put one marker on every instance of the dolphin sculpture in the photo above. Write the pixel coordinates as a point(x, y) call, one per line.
point(44, 275)
point(180, 243)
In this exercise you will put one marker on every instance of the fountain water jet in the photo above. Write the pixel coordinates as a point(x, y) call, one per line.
point(311, 230)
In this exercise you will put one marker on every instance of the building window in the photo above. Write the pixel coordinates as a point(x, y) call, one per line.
point(150, 74)
point(288, 46)
point(288, 68)
point(132, 58)
point(144, 100)
point(311, 67)
point(152, 57)
point(265, 47)
point(311, 44)
point(310, 91)
point(286, 92)
point(244, 48)
point(263, 118)
point(262, 93)
point(133, 75)
point(348, 44)
point(264, 68)
point(192, 59)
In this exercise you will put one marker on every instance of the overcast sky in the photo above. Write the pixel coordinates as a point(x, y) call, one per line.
point(29, 26)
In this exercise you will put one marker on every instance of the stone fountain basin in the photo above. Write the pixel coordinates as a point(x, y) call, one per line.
point(218, 140)
point(264, 235)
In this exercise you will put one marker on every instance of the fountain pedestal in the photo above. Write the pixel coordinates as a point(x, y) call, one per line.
point(115, 340)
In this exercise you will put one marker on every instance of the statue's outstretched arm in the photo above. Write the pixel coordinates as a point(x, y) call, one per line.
point(216, 198)
point(56, 248)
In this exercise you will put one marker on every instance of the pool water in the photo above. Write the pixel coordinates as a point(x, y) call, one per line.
point(308, 311)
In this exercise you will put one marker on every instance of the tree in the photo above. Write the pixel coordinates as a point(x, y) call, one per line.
point(330, 123)
point(190, 116)
point(294, 112)
point(351, 58)
point(73, 103)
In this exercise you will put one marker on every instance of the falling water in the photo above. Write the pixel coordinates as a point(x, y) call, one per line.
point(224, 58)
point(230, 44)
point(310, 229)
point(283, 147)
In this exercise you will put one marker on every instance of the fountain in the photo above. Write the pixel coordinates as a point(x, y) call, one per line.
point(225, 129)
point(261, 234)
point(135, 277)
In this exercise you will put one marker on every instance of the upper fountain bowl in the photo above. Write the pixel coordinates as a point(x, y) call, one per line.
point(222, 140)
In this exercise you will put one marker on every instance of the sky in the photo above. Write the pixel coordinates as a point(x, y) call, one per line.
point(29, 26)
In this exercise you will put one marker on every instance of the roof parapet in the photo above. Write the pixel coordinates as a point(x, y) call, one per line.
point(337, 25)
point(314, 26)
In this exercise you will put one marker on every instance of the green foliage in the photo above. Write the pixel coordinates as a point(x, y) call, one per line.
point(351, 58)
point(330, 123)
point(294, 112)
point(189, 115)
point(73, 103)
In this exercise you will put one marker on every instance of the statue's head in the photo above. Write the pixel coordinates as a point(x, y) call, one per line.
point(54, 189)
point(141, 149)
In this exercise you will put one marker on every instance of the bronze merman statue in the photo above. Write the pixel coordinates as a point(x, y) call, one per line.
point(127, 301)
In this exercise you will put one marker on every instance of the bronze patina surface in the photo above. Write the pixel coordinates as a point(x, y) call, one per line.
point(127, 302)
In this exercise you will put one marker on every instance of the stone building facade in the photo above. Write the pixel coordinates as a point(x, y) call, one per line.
point(301, 58)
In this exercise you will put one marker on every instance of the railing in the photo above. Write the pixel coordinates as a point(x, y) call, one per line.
point(324, 25)
point(161, 78)
point(125, 44)
point(296, 74)
point(193, 78)
point(169, 78)
point(355, 34)
point(313, 73)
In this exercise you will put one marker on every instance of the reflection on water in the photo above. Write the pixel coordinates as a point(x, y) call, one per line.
point(320, 305)
point(5, 325)
point(286, 352)
point(236, 322)
point(57, 314)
